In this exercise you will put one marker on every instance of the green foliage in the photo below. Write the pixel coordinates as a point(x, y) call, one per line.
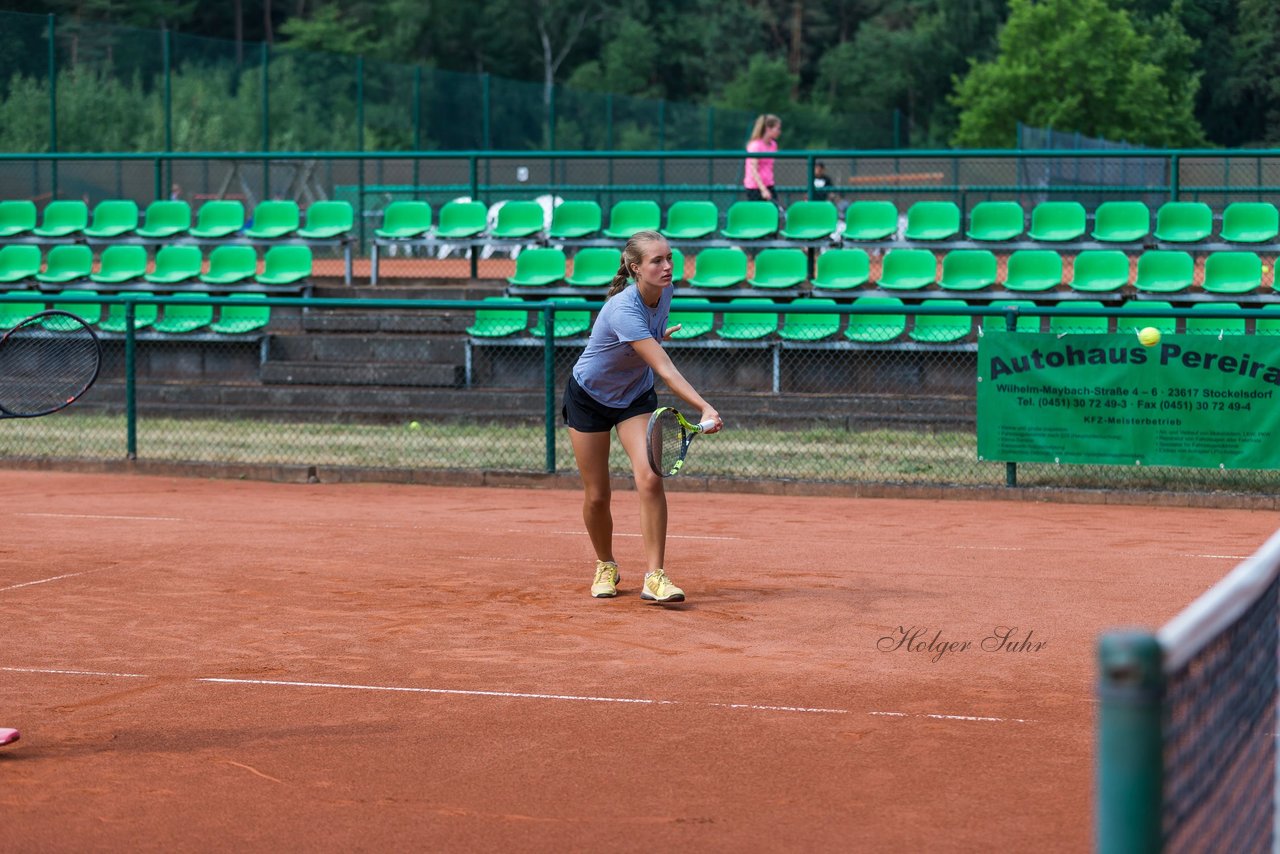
point(764, 86)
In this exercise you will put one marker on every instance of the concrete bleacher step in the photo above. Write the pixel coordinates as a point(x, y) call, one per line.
point(364, 348)
point(370, 373)
point(445, 323)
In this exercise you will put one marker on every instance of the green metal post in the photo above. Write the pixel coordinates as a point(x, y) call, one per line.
point(1011, 325)
point(1129, 762)
point(486, 107)
point(662, 146)
point(897, 128)
point(53, 102)
point(808, 163)
point(130, 386)
point(360, 143)
point(549, 381)
point(157, 179)
point(711, 144)
point(168, 95)
point(417, 121)
point(1173, 178)
point(608, 125)
point(472, 168)
point(551, 121)
point(266, 123)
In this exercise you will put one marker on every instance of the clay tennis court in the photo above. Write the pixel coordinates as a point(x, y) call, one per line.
point(206, 664)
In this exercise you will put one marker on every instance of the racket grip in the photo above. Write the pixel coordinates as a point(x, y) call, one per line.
point(706, 426)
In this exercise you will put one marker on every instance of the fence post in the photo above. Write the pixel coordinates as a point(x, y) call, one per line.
point(168, 95)
point(53, 102)
point(549, 381)
point(130, 385)
point(266, 123)
point(551, 121)
point(1173, 177)
point(360, 144)
point(1010, 325)
point(486, 105)
point(897, 128)
point(417, 123)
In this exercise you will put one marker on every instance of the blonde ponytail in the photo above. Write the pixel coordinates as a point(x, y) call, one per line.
point(619, 279)
point(763, 121)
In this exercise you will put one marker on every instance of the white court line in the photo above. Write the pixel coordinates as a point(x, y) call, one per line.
point(76, 672)
point(1218, 557)
point(99, 516)
point(55, 578)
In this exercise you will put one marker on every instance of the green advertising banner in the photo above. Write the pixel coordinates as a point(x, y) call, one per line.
point(1188, 400)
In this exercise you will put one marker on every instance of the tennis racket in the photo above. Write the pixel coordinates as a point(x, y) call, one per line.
point(670, 435)
point(47, 362)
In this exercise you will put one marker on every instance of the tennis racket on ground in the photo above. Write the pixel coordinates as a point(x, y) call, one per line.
point(47, 362)
point(670, 435)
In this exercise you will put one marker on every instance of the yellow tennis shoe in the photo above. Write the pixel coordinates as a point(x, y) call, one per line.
point(606, 581)
point(658, 588)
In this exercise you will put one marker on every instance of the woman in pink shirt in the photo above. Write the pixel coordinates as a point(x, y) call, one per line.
point(759, 176)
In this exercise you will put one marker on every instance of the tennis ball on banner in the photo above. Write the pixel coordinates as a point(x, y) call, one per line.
point(414, 425)
point(1149, 336)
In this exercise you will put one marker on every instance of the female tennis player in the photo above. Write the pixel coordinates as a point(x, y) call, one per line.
point(612, 386)
point(758, 176)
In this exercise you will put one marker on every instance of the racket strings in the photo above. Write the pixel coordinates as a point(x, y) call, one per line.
point(666, 441)
point(45, 363)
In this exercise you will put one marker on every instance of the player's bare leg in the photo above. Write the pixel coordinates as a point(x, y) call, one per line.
point(592, 453)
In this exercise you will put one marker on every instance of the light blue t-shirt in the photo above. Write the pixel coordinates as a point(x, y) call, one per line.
point(610, 369)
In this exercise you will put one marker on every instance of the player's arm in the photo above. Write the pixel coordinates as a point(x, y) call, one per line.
point(656, 357)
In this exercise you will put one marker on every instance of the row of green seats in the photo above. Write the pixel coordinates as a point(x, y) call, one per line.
point(177, 318)
point(119, 218)
point(174, 264)
point(1114, 222)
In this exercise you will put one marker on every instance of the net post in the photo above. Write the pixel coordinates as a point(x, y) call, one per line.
point(130, 387)
point(549, 381)
point(1130, 744)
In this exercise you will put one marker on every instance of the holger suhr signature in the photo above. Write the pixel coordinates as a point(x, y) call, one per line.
point(934, 644)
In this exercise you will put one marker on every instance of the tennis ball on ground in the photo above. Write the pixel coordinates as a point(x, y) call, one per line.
point(1149, 337)
point(414, 425)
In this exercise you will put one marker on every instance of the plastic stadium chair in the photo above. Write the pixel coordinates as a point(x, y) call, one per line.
point(695, 317)
point(690, 220)
point(594, 267)
point(538, 267)
point(942, 328)
point(1056, 222)
point(17, 217)
point(996, 221)
point(463, 219)
point(273, 220)
point(113, 218)
point(19, 263)
point(809, 327)
point(870, 221)
point(67, 263)
point(875, 328)
point(933, 221)
point(842, 270)
point(518, 219)
point(1268, 325)
point(1033, 271)
point(780, 268)
point(1100, 271)
point(719, 267)
point(285, 265)
point(11, 313)
point(327, 220)
point(908, 270)
point(628, 217)
point(180, 318)
point(176, 264)
point(1121, 222)
point(218, 218)
point(677, 265)
point(62, 219)
point(750, 220)
point(741, 326)
point(168, 219)
point(568, 324)
point(239, 319)
point(404, 220)
point(1183, 222)
point(1232, 273)
point(1023, 322)
point(119, 264)
point(144, 314)
point(1164, 272)
point(811, 221)
point(90, 313)
point(229, 265)
point(500, 322)
point(1062, 324)
point(574, 219)
point(968, 270)
point(1250, 222)
point(1135, 318)
point(1215, 325)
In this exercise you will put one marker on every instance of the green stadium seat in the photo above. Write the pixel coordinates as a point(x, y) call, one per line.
point(1135, 317)
point(594, 267)
point(842, 270)
point(809, 327)
point(1232, 273)
point(500, 322)
point(285, 265)
point(870, 220)
point(17, 216)
point(18, 263)
point(1121, 222)
point(1215, 325)
point(144, 314)
point(459, 220)
point(742, 326)
point(677, 265)
point(1268, 325)
point(750, 220)
point(273, 220)
point(119, 264)
point(11, 313)
point(694, 316)
point(229, 265)
point(1056, 222)
point(90, 313)
point(996, 221)
point(404, 220)
point(62, 219)
point(1033, 271)
point(908, 270)
point(1184, 222)
point(1063, 324)
point(67, 263)
point(180, 318)
point(112, 218)
point(968, 270)
point(175, 265)
point(1250, 222)
point(811, 221)
point(1164, 272)
point(932, 221)
point(171, 218)
point(218, 218)
point(942, 328)
point(875, 328)
point(1023, 322)
point(690, 220)
point(518, 218)
point(239, 319)
point(539, 266)
point(327, 220)
point(574, 219)
point(628, 217)
point(1100, 271)
point(568, 324)
point(779, 268)
point(719, 267)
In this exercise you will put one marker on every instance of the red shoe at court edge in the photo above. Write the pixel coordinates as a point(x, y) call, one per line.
point(8, 736)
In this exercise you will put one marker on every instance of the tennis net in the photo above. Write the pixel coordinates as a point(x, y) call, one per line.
point(1188, 721)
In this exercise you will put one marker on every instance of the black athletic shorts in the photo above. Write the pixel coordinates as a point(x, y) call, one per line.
point(755, 195)
point(583, 413)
